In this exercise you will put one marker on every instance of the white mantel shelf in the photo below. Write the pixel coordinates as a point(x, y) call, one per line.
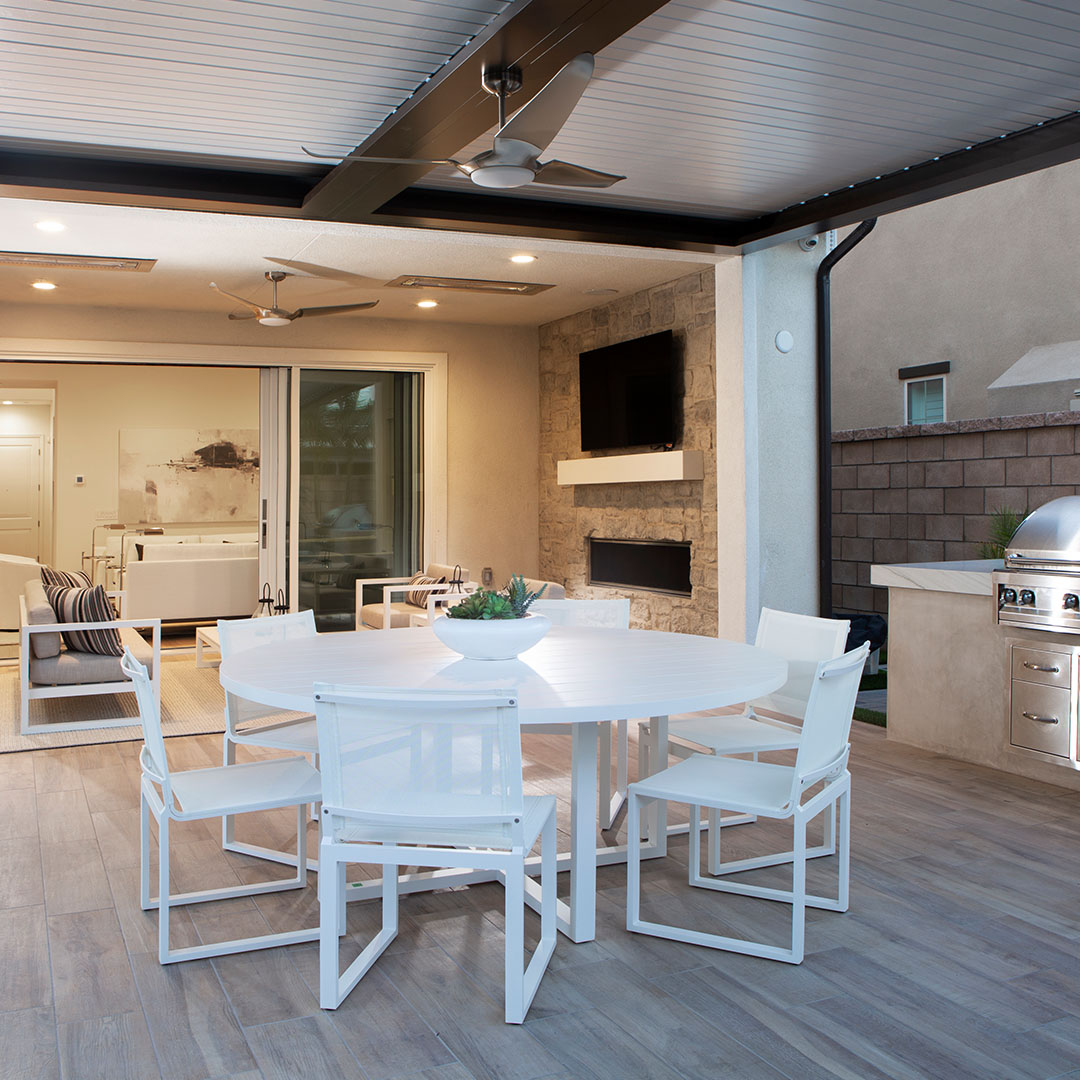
point(633, 468)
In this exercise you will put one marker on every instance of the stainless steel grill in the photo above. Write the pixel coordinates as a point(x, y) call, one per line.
point(1040, 586)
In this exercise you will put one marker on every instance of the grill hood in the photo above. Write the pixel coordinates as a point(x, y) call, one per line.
point(1048, 538)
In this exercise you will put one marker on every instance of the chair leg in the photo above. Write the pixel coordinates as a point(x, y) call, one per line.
point(643, 735)
point(633, 861)
point(330, 899)
point(514, 947)
point(163, 889)
point(603, 765)
point(843, 853)
point(798, 891)
point(228, 822)
point(144, 852)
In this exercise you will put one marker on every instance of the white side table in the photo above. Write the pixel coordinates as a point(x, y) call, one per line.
point(206, 637)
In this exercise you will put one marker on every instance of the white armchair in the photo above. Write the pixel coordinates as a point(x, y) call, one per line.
point(390, 613)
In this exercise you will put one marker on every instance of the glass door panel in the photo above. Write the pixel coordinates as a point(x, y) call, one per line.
point(359, 479)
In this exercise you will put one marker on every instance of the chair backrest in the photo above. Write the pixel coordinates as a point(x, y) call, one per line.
point(239, 635)
point(420, 766)
point(153, 759)
point(614, 614)
point(824, 741)
point(803, 641)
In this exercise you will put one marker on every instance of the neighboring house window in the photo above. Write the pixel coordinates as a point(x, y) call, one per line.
point(924, 393)
point(924, 401)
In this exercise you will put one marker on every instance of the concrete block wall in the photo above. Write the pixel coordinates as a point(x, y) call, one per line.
point(926, 493)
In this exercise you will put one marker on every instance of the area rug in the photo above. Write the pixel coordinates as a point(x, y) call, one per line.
point(192, 703)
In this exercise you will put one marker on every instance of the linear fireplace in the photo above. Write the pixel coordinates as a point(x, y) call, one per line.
point(654, 565)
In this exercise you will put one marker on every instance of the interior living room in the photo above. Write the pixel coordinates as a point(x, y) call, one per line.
point(420, 656)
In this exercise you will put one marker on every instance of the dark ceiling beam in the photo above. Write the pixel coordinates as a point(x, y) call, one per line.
point(1039, 147)
point(444, 208)
point(451, 110)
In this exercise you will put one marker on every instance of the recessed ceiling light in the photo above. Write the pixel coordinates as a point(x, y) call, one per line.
point(427, 303)
point(50, 226)
point(7, 402)
point(522, 258)
point(45, 286)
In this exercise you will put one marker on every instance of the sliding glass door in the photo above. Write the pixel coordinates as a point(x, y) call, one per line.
point(358, 474)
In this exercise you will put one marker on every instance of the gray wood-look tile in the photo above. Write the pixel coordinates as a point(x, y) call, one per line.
point(24, 947)
point(63, 815)
point(115, 1047)
point(57, 770)
point(16, 771)
point(28, 1045)
point(307, 1047)
point(193, 1027)
point(18, 814)
point(74, 876)
point(20, 874)
point(90, 967)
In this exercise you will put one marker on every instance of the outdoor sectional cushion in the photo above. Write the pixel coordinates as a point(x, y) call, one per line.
point(222, 549)
point(419, 597)
point(74, 668)
point(74, 580)
point(39, 612)
point(372, 614)
point(85, 606)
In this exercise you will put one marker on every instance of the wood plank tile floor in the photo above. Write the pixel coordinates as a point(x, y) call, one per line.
point(960, 956)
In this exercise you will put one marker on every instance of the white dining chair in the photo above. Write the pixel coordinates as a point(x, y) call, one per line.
point(428, 778)
point(766, 790)
point(803, 641)
point(615, 614)
point(196, 794)
point(246, 722)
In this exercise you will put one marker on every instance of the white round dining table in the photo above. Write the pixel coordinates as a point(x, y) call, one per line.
point(577, 676)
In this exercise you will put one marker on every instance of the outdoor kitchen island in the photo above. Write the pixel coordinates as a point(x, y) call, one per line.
point(950, 667)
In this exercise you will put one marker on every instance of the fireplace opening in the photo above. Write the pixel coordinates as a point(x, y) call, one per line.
point(654, 565)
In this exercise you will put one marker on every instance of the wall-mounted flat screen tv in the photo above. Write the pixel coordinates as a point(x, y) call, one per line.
point(631, 393)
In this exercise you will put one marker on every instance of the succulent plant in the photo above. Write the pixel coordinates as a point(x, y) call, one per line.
point(482, 605)
point(520, 597)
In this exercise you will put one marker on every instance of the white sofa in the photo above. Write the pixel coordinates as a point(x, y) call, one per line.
point(192, 578)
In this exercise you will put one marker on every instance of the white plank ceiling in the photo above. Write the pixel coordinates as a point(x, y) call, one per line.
point(726, 107)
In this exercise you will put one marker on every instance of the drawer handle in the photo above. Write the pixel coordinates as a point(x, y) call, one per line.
point(1041, 667)
point(1040, 719)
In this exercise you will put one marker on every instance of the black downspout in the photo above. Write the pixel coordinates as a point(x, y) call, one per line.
point(824, 412)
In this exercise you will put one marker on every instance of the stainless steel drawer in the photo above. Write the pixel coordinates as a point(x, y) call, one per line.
point(1040, 718)
point(1041, 666)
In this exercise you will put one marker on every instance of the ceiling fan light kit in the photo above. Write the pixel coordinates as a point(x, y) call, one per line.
point(514, 159)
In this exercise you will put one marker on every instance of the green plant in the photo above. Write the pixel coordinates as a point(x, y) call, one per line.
point(482, 605)
point(1003, 523)
point(519, 595)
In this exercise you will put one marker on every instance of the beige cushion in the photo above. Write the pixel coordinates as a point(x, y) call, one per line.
point(372, 615)
point(39, 612)
point(554, 590)
point(71, 668)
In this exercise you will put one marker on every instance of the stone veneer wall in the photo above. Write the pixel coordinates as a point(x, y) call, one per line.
point(926, 493)
point(683, 510)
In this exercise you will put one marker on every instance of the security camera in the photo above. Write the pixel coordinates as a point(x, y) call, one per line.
point(808, 243)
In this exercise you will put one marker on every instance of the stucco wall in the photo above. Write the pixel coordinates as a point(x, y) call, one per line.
point(492, 407)
point(977, 279)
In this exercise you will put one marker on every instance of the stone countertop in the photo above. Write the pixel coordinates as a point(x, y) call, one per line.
point(970, 576)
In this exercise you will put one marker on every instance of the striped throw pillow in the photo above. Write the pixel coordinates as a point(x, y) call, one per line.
point(76, 605)
point(419, 597)
point(74, 579)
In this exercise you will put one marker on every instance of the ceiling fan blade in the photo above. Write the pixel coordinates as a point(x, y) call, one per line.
point(539, 121)
point(239, 299)
point(333, 309)
point(379, 160)
point(246, 315)
point(564, 174)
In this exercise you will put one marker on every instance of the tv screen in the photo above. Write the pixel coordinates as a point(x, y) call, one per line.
point(630, 394)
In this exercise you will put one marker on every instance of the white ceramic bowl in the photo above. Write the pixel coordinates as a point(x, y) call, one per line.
point(491, 639)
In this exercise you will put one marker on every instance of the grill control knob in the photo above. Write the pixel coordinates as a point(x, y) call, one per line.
point(1027, 597)
point(1008, 596)
point(1071, 602)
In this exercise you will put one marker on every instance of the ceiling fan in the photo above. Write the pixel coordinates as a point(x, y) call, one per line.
point(515, 158)
point(275, 316)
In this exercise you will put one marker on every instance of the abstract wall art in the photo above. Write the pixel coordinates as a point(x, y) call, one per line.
point(185, 474)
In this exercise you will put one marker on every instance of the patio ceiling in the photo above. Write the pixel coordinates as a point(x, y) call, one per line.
point(733, 121)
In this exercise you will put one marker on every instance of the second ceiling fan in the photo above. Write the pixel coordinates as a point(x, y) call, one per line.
point(276, 316)
point(514, 160)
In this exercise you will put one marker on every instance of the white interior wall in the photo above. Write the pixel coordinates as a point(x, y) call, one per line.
point(493, 406)
point(782, 570)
